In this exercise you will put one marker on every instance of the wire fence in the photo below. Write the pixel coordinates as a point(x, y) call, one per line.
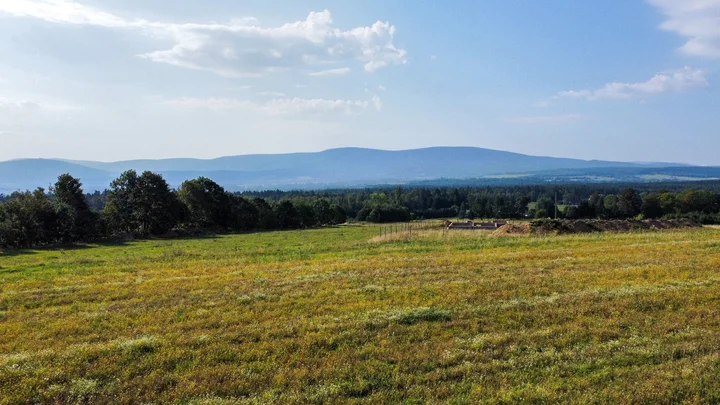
point(408, 227)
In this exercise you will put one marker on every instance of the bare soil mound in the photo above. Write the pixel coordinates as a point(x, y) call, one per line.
point(560, 226)
point(513, 229)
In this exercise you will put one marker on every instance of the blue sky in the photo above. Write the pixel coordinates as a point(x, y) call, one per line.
point(126, 79)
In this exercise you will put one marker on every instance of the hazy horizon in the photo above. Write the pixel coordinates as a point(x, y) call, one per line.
point(114, 80)
point(329, 149)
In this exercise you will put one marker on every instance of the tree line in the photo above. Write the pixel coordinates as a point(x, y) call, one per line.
point(145, 205)
point(575, 201)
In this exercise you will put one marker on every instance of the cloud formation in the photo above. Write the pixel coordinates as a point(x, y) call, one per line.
point(331, 72)
point(240, 48)
point(62, 11)
point(28, 106)
point(277, 106)
point(679, 80)
point(545, 119)
point(697, 20)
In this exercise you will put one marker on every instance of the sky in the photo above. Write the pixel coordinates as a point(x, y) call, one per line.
point(109, 80)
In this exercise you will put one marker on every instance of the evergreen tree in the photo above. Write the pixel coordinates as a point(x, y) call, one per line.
point(287, 215)
point(266, 218)
point(120, 207)
point(76, 221)
point(244, 214)
point(629, 204)
point(651, 207)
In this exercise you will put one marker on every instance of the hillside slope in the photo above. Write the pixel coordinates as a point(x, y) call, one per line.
point(334, 167)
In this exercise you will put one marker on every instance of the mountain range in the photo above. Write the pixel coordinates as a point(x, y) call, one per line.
point(346, 167)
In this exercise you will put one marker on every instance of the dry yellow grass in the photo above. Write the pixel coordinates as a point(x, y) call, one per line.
point(331, 316)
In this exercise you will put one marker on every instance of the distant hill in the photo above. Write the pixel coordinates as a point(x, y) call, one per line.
point(331, 168)
point(29, 174)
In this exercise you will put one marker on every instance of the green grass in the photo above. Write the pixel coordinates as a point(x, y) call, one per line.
point(337, 316)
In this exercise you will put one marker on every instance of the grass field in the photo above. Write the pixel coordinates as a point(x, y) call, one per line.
point(333, 316)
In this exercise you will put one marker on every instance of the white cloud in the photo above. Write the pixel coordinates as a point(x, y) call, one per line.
point(271, 94)
point(679, 80)
point(382, 88)
point(331, 72)
point(545, 119)
point(28, 106)
point(23, 105)
point(277, 106)
point(239, 48)
point(697, 20)
point(61, 11)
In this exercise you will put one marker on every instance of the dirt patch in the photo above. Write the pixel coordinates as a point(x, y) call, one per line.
point(563, 227)
point(513, 229)
point(567, 227)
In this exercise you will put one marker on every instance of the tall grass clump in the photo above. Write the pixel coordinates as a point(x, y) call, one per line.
point(418, 315)
point(140, 346)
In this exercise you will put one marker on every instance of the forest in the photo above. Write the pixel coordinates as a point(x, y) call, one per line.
point(144, 205)
point(696, 200)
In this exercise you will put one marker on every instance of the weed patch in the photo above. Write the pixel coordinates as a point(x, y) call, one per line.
point(140, 346)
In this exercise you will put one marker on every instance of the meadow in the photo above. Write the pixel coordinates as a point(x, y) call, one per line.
point(339, 315)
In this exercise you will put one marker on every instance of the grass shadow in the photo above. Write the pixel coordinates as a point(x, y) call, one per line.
point(16, 252)
point(185, 235)
point(61, 247)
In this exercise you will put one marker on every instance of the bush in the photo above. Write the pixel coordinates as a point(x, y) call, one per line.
point(699, 217)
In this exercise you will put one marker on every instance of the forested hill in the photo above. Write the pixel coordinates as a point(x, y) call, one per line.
point(344, 167)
